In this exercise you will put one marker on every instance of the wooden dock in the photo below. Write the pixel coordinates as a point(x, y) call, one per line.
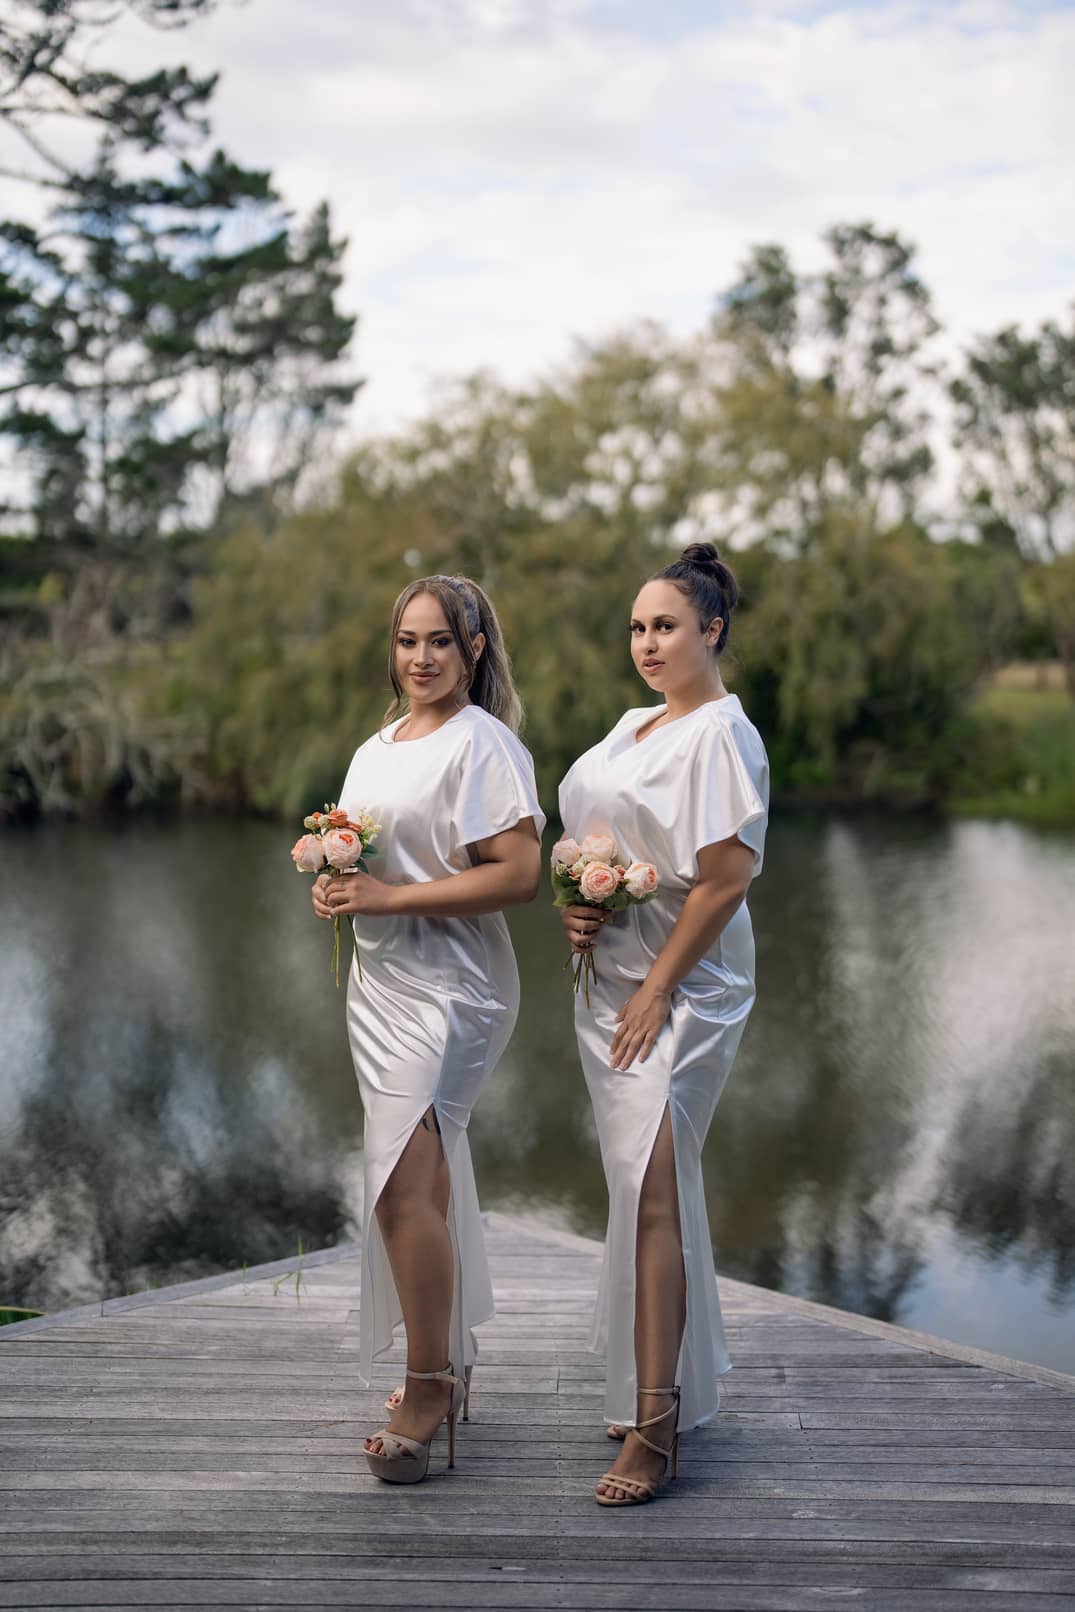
point(200, 1447)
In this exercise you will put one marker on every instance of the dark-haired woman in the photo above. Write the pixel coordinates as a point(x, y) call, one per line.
point(683, 785)
point(438, 994)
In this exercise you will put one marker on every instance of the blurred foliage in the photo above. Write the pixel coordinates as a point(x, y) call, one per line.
point(236, 661)
point(1015, 411)
point(858, 645)
point(1013, 755)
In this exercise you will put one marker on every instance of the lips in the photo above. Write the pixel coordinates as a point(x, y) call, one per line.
point(652, 665)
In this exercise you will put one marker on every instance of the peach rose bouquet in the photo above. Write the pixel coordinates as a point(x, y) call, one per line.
point(337, 842)
point(588, 874)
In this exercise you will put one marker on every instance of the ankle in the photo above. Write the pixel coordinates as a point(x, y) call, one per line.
point(427, 1391)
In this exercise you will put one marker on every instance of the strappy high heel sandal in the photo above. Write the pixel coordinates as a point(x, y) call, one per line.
point(395, 1398)
point(406, 1460)
point(639, 1490)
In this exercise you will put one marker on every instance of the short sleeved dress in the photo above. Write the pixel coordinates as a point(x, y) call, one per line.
point(689, 783)
point(438, 997)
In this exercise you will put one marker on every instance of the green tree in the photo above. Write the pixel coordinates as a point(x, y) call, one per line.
point(159, 366)
point(829, 375)
point(172, 356)
point(48, 81)
point(1015, 408)
point(857, 660)
point(286, 664)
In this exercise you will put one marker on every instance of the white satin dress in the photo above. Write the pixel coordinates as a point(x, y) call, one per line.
point(438, 997)
point(687, 784)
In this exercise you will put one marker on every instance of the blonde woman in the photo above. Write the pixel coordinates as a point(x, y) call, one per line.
point(432, 1011)
point(683, 785)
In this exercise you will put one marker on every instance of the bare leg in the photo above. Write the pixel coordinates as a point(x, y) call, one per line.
point(660, 1309)
point(442, 1189)
point(412, 1215)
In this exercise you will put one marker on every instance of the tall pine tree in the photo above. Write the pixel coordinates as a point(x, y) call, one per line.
point(172, 353)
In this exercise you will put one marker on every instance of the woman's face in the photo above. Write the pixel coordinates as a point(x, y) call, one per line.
point(669, 648)
point(429, 663)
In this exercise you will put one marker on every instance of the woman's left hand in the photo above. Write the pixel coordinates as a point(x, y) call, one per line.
point(640, 1021)
point(357, 892)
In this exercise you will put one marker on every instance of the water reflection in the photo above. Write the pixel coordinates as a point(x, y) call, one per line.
point(176, 1093)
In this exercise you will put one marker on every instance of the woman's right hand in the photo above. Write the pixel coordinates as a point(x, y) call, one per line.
point(317, 896)
point(582, 925)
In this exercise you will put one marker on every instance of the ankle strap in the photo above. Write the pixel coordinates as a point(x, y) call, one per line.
point(669, 1410)
point(445, 1376)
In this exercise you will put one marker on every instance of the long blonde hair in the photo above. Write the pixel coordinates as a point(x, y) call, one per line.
point(468, 611)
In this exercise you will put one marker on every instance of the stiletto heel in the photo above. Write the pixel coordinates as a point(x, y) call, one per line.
point(406, 1460)
point(638, 1489)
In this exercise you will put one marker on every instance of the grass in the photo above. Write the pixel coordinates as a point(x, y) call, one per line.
point(1018, 758)
point(10, 1313)
point(286, 1277)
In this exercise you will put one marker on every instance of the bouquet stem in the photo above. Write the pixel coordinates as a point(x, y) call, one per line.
point(585, 971)
point(334, 960)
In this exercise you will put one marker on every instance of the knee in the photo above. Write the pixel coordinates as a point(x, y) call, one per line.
point(396, 1207)
point(658, 1215)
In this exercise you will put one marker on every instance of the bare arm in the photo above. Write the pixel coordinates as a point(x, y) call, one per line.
point(724, 874)
point(508, 873)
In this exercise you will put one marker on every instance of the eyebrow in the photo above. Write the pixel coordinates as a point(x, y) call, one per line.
point(636, 621)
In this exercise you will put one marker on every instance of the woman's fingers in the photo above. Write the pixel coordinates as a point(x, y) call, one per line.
point(630, 1041)
point(319, 896)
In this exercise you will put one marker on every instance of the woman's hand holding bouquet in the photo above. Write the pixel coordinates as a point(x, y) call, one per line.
point(588, 883)
point(338, 843)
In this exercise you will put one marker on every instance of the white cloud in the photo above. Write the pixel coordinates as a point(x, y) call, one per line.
point(515, 172)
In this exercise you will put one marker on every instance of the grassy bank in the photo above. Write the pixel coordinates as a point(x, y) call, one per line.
point(1018, 755)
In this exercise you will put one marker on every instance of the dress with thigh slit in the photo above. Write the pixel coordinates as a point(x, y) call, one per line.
point(437, 999)
point(688, 783)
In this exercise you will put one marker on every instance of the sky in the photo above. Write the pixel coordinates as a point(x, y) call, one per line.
point(516, 174)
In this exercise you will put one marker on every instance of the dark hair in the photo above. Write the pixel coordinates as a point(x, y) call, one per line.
point(469, 611)
point(703, 578)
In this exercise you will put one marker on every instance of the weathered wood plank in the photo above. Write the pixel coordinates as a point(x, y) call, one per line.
point(502, 1589)
point(202, 1447)
point(373, 1567)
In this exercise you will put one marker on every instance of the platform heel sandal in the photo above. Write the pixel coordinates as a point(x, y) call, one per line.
point(639, 1490)
point(406, 1460)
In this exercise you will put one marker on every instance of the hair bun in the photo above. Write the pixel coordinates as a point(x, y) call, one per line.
point(703, 555)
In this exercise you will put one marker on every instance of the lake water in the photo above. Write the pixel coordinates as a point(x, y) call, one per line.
point(897, 1137)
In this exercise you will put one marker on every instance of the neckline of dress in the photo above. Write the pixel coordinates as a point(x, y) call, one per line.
point(432, 734)
point(654, 710)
